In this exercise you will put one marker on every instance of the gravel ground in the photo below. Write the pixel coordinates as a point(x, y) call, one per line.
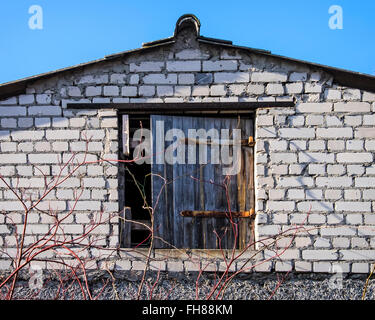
point(182, 287)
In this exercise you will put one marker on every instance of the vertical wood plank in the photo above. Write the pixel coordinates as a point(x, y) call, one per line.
point(125, 231)
point(125, 135)
point(162, 188)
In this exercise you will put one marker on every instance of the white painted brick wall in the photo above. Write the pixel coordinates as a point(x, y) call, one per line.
point(314, 161)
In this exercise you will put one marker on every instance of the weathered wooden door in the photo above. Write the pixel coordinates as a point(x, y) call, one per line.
point(192, 186)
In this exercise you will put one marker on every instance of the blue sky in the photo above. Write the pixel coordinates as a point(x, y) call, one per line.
point(82, 30)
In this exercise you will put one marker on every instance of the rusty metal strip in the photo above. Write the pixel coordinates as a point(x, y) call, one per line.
point(217, 214)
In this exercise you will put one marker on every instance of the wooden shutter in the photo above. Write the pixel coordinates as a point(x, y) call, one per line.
point(195, 187)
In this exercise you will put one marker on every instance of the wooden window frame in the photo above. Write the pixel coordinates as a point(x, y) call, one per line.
point(214, 109)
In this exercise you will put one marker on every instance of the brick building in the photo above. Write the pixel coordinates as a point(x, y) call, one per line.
point(313, 209)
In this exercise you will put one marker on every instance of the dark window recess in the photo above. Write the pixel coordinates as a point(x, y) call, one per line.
point(137, 191)
point(190, 205)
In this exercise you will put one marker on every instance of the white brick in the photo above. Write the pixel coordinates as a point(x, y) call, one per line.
point(313, 88)
point(354, 157)
point(314, 107)
point(338, 231)
point(60, 146)
point(134, 79)
point(88, 205)
point(298, 76)
point(358, 267)
point(199, 91)
point(355, 145)
point(364, 133)
point(62, 134)
point(333, 121)
point(191, 54)
point(269, 132)
point(315, 76)
point(334, 182)
point(354, 218)
point(218, 90)
point(317, 145)
point(303, 266)
point(147, 66)
point(186, 78)
point(42, 146)
point(341, 242)
point(42, 122)
point(130, 91)
point(308, 157)
point(352, 95)
point(25, 122)
point(296, 194)
point(353, 120)
point(237, 89)
point(118, 78)
point(111, 91)
point(319, 169)
point(93, 134)
point(334, 133)
point(8, 101)
point(146, 91)
point(93, 91)
point(280, 205)
point(332, 94)
point(9, 123)
point(295, 182)
point(315, 206)
point(37, 229)
point(322, 243)
point(319, 254)
point(283, 157)
point(314, 194)
point(268, 230)
point(27, 135)
point(265, 120)
point(183, 65)
point(160, 79)
point(44, 111)
point(183, 91)
point(44, 158)
point(297, 133)
point(368, 96)
point(352, 107)
point(221, 65)
point(60, 122)
point(366, 231)
point(97, 79)
point(268, 77)
point(109, 123)
point(359, 243)
point(294, 88)
point(275, 88)
point(26, 99)
point(94, 182)
point(235, 77)
point(6, 111)
point(369, 120)
point(357, 255)
point(335, 169)
point(353, 206)
point(255, 89)
point(74, 92)
point(336, 145)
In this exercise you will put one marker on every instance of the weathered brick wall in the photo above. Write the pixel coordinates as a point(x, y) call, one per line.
point(313, 162)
